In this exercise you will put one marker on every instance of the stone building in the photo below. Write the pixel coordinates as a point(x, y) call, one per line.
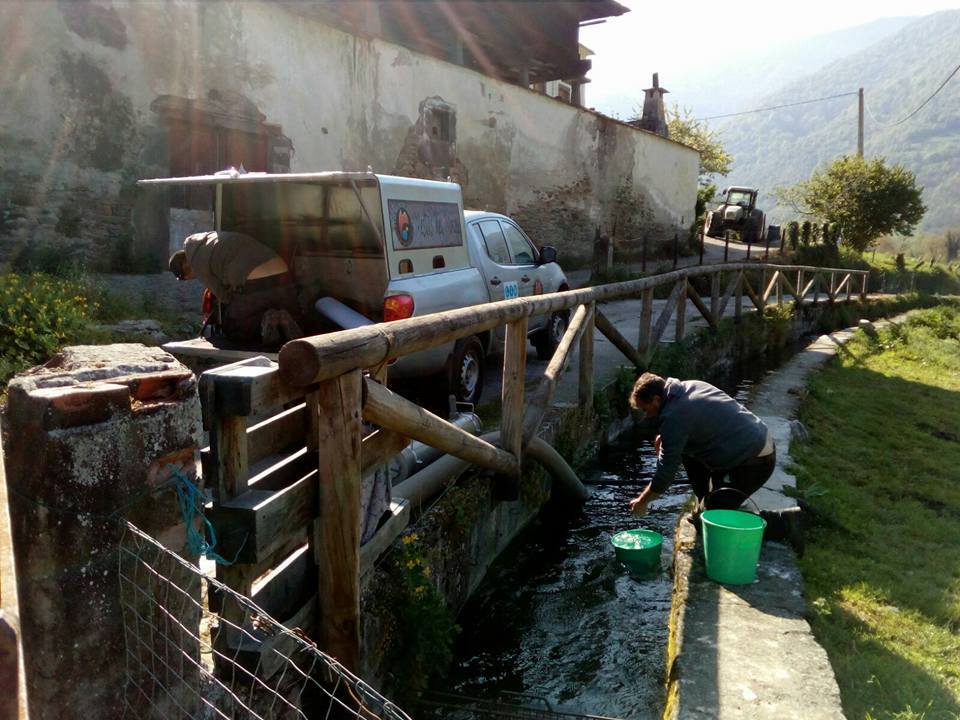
point(100, 93)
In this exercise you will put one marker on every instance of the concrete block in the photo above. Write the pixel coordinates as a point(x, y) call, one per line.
point(90, 440)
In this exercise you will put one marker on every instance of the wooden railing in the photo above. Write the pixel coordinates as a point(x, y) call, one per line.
point(288, 445)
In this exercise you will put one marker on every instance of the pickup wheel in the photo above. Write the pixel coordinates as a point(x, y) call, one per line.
point(547, 340)
point(465, 370)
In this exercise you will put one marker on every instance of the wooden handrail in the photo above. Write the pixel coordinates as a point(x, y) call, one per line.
point(310, 360)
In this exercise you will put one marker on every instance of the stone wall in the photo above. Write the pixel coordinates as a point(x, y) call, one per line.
point(90, 439)
point(84, 120)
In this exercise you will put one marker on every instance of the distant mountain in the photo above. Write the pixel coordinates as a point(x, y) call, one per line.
point(726, 86)
point(897, 73)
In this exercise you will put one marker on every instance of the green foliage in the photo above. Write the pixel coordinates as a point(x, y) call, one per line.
point(684, 128)
point(424, 626)
point(793, 234)
point(864, 198)
point(39, 314)
point(805, 232)
point(881, 559)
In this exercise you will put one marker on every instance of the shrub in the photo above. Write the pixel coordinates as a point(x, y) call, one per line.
point(806, 231)
point(39, 314)
point(793, 234)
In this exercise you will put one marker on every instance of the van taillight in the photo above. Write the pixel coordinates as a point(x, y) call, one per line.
point(206, 306)
point(397, 307)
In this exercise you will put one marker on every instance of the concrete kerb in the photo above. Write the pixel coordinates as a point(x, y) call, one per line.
point(748, 651)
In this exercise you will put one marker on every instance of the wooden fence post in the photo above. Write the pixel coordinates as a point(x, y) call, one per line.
point(646, 315)
point(512, 402)
point(337, 404)
point(715, 296)
point(681, 312)
point(863, 288)
point(738, 299)
point(586, 364)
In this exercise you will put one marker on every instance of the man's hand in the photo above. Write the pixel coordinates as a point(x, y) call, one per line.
point(638, 506)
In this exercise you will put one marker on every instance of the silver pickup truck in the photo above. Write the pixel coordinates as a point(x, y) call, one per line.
point(375, 248)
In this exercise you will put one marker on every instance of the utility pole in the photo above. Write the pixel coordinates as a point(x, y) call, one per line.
point(860, 125)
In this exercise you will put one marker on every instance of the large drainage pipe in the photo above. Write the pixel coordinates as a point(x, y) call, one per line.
point(429, 481)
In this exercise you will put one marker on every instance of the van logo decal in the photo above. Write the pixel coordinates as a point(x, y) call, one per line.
point(421, 224)
point(404, 227)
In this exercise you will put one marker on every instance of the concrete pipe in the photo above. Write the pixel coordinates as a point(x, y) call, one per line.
point(430, 481)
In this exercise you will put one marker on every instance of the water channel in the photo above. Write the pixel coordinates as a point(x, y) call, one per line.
point(558, 618)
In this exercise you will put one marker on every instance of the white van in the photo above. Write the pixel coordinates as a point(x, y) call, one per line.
point(387, 248)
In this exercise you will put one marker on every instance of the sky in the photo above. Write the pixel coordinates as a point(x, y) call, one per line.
point(682, 38)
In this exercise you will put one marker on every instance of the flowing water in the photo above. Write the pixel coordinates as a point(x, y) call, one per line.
point(559, 618)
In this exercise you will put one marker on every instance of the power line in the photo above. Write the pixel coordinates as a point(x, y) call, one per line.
point(920, 106)
point(777, 107)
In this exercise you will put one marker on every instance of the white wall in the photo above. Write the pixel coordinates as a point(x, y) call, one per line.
point(345, 102)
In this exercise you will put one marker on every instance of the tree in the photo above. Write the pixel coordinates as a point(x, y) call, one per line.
point(866, 199)
point(683, 128)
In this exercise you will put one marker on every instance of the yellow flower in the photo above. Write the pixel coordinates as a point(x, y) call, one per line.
point(407, 539)
point(420, 589)
point(426, 570)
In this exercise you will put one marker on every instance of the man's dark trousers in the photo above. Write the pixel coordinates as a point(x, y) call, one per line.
point(744, 479)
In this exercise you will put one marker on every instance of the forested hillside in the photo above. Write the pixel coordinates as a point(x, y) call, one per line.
point(898, 73)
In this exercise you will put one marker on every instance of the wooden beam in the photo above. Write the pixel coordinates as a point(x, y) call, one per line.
point(208, 391)
point(757, 303)
point(514, 377)
point(228, 445)
point(863, 288)
point(548, 383)
point(770, 286)
point(373, 548)
point(699, 305)
point(681, 311)
point(732, 287)
point(337, 539)
point(619, 341)
point(585, 388)
point(279, 433)
point(662, 320)
point(646, 314)
point(810, 284)
point(715, 297)
point(738, 300)
point(784, 280)
point(309, 360)
point(379, 446)
point(389, 410)
point(251, 389)
point(251, 527)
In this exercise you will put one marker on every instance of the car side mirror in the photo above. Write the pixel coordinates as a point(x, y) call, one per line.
point(548, 254)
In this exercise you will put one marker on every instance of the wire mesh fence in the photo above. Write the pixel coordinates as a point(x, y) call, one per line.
point(197, 649)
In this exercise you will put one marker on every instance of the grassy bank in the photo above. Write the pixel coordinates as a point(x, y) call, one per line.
point(882, 568)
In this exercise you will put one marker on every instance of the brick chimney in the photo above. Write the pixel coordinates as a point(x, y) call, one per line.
point(654, 116)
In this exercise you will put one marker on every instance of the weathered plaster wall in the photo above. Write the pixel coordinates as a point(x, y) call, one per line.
point(76, 126)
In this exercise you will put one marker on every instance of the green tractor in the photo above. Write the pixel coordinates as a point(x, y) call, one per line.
point(738, 213)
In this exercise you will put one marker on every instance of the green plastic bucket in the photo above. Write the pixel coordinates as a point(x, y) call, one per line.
point(638, 549)
point(731, 545)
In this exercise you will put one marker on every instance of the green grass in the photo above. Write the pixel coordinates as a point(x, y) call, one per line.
point(882, 569)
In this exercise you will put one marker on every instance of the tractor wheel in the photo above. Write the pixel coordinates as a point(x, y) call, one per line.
point(713, 224)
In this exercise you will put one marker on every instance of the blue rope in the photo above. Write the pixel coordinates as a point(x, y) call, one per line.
point(191, 499)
